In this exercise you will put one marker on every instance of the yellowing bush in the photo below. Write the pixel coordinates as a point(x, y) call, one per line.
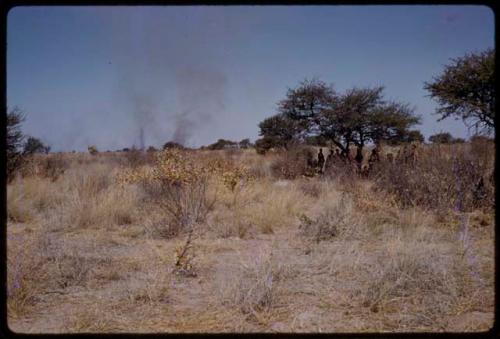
point(174, 166)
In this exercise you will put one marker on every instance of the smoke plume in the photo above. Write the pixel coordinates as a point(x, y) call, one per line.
point(170, 92)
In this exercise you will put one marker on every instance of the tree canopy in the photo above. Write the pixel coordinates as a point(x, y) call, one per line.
point(280, 130)
point(407, 137)
point(34, 145)
point(172, 144)
point(445, 138)
point(245, 143)
point(222, 144)
point(441, 138)
point(357, 117)
point(466, 89)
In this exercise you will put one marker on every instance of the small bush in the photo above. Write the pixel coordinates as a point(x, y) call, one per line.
point(51, 166)
point(439, 181)
point(92, 150)
point(178, 184)
point(17, 208)
point(294, 163)
point(412, 269)
point(185, 205)
point(328, 224)
point(72, 269)
point(28, 196)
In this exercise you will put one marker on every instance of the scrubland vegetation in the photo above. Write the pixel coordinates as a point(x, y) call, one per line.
point(225, 241)
point(378, 233)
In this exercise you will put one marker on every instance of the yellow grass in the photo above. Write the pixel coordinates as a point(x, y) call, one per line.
point(89, 254)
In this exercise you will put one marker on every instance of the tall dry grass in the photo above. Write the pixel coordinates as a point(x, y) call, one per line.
point(255, 287)
point(443, 179)
point(336, 243)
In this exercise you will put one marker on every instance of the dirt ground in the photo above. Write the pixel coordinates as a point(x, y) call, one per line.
point(322, 291)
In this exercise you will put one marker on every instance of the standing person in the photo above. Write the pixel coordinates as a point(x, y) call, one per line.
point(321, 160)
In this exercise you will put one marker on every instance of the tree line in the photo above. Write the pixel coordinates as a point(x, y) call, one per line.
point(315, 111)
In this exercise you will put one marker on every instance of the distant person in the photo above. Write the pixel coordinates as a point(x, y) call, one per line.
point(330, 159)
point(374, 158)
point(321, 160)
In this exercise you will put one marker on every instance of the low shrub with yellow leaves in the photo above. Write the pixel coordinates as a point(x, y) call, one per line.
point(181, 168)
point(178, 182)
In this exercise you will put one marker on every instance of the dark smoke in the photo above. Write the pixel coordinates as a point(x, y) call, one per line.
point(200, 94)
point(170, 91)
point(183, 129)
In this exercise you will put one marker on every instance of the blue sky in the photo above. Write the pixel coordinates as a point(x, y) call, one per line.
point(97, 75)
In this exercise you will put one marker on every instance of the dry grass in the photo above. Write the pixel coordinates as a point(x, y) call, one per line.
point(87, 253)
point(444, 179)
point(255, 288)
point(26, 272)
point(264, 206)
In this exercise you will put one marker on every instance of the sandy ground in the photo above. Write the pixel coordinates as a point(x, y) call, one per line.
point(319, 292)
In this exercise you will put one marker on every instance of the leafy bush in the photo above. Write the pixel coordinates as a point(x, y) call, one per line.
point(178, 184)
point(185, 205)
point(92, 150)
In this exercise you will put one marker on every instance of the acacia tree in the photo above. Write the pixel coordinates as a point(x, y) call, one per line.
point(362, 116)
point(299, 115)
point(466, 89)
point(279, 131)
point(355, 118)
point(306, 103)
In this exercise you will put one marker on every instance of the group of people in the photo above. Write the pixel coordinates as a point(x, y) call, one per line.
point(336, 154)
